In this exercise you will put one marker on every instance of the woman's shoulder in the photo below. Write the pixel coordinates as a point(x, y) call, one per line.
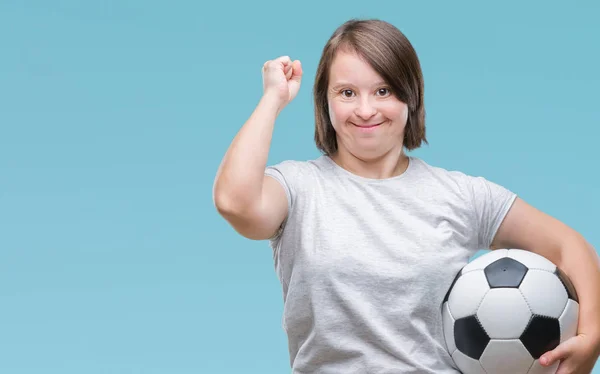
point(442, 173)
point(467, 183)
point(299, 167)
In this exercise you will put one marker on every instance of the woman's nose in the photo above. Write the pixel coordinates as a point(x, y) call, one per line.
point(365, 109)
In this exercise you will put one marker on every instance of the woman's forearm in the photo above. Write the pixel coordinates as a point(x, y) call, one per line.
point(581, 263)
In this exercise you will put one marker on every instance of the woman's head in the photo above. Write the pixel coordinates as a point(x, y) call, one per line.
point(369, 74)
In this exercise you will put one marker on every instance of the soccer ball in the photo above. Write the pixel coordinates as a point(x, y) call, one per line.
point(505, 309)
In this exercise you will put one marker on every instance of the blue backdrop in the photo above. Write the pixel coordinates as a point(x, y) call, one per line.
point(114, 116)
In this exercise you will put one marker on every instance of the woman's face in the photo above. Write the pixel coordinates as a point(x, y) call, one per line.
point(368, 119)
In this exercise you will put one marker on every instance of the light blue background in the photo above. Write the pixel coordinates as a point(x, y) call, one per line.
point(114, 116)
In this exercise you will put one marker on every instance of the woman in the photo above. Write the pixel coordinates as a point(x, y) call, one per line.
point(366, 239)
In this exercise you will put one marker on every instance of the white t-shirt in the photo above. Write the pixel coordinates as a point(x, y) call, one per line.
point(365, 263)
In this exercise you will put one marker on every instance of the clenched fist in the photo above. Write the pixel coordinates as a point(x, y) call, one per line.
point(281, 79)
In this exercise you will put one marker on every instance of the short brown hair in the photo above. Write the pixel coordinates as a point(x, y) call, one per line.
point(392, 56)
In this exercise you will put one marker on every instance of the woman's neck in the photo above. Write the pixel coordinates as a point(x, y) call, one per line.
point(386, 166)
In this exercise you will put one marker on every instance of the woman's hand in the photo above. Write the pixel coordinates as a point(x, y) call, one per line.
point(281, 80)
point(577, 355)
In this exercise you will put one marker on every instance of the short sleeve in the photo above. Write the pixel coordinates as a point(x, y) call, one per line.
point(491, 203)
point(285, 173)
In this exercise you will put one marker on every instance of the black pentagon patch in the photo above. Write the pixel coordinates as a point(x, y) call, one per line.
point(505, 272)
point(541, 335)
point(470, 337)
point(452, 285)
point(567, 283)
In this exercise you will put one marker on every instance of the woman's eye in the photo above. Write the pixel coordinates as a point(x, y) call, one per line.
point(383, 91)
point(347, 93)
